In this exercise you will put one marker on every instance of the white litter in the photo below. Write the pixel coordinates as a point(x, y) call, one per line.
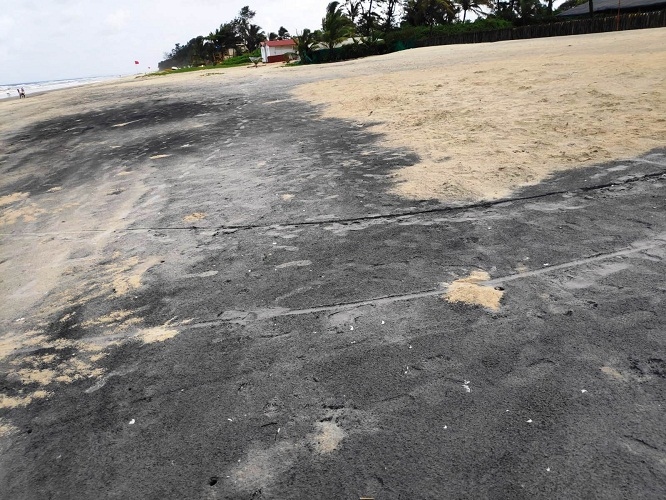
point(583, 391)
point(230, 420)
point(466, 386)
point(131, 422)
point(382, 322)
point(529, 421)
point(351, 327)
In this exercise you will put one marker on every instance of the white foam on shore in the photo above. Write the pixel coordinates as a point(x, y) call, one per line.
point(8, 90)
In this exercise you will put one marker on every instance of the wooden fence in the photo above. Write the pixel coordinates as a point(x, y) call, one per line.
point(597, 24)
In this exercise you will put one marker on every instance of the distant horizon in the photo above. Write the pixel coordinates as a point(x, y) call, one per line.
point(112, 75)
point(65, 38)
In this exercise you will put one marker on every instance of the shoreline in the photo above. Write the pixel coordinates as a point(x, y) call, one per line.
point(76, 83)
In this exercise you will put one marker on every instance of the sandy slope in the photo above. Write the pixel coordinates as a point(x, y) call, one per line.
point(488, 118)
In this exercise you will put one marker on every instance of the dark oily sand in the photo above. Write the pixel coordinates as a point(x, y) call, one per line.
point(241, 310)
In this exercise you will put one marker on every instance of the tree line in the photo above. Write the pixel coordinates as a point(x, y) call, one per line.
point(378, 24)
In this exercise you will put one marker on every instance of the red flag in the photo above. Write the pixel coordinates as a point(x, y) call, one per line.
point(136, 62)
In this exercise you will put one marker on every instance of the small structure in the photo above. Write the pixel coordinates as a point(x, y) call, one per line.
point(274, 51)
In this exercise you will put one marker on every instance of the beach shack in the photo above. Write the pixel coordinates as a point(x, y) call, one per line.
point(274, 51)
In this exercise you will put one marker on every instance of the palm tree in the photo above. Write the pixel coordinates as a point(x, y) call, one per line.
point(304, 43)
point(225, 37)
point(353, 7)
point(254, 35)
point(428, 12)
point(336, 27)
point(475, 6)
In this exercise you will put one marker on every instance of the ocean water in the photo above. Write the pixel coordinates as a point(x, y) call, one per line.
point(8, 91)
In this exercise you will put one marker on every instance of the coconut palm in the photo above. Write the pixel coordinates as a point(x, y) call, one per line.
point(428, 12)
point(304, 43)
point(253, 36)
point(474, 6)
point(336, 27)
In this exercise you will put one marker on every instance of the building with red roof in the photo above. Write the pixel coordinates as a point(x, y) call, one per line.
point(275, 50)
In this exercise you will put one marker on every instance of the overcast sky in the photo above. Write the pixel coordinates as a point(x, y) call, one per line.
point(54, 39)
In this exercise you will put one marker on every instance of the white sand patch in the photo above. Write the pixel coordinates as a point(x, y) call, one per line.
point(328, 437)
point(156, 334)
point(18, 401)
point(12, 198)
point(7, 429)
point(470, 290)
point(194, 217)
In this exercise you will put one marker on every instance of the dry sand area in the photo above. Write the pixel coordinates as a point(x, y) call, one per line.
point(488, 118)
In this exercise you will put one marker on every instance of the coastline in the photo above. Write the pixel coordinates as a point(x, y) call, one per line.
point(7, 90)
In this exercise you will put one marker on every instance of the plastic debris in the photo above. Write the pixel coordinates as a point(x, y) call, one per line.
point(529, 421)
point(466, 386)
point(583, 391)
point(131, 422)
point(351, 327)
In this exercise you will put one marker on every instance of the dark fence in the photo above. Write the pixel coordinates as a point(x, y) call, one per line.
point(597, 24)
point(351, 51)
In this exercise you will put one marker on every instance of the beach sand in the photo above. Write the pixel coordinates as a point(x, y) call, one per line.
point(208, 254)
point(486, 119)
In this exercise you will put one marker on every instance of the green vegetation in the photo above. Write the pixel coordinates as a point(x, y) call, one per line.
point(358, 28)
point(242, 60)
point(236, 38)
point(336, 27)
